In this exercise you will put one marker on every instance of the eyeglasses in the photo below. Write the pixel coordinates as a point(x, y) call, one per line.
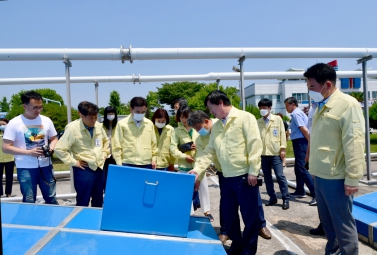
point(36, 108)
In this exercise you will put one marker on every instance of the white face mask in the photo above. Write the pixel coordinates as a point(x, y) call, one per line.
point(110, 117)
point(139, 116)
point(2, 127)
point(160, 125)
point(175, 112)
point(263, 112)
point(317, 96)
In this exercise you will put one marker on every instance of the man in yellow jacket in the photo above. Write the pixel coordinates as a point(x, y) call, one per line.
point(135, 142)
point(272, 132)
point(85, 146)
point(236, 142)
point(336, 157)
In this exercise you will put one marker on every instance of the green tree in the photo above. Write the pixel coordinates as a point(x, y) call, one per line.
point(153, 101)
point(253, 110)
point(122, 109)
point(45, 93)
point(171, 91)
point(359, 96)
point(4, 105)
point(373, 116)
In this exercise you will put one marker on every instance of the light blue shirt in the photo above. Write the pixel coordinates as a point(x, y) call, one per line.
point(321, 104)
point(299, 119)
point(266, 120)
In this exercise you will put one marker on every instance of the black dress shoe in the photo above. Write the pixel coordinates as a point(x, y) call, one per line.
point(272, 202)
point(285, 205)
point(317, 231)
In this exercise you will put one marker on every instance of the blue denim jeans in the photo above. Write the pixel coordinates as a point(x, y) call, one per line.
point(88, 184)
point(275, 162)
point(335, 211)
point(302, 174)
point(29, 178)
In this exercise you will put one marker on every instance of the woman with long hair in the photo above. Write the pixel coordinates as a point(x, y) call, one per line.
point(160, 119)
point(110, 121)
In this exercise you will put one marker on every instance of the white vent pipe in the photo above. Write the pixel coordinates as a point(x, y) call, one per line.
point(181, 53)
point(166, 78)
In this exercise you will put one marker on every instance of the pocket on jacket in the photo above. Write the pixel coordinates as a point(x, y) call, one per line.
point(326, 158)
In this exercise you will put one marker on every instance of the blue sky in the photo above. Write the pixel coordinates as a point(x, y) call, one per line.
point(175, 24)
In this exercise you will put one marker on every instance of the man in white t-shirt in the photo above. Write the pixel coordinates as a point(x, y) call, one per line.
point(24, 137)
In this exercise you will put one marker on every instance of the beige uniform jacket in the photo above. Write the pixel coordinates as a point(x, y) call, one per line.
point(4, 157)
point(164, 158)
point(77, 144)
point(181, 136)
point(272, 135)
point(237, 145)
point(337, 140)
point(135, 145)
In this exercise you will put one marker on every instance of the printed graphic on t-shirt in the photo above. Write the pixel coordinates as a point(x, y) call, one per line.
point(34, 137)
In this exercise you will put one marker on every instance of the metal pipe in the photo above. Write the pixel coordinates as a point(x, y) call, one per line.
point(291, 184)
point(218, 84)
point(180, 53)
point(366, 114)
point(167, 78)
point(68, 64)
point(241, 60)
point(19, 199)
point(96, 91)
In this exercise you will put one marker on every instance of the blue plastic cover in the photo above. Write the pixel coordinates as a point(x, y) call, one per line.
point(20, 240)
point(102, 243)
point(368, 201)
point(147, 201)
point(33, 215)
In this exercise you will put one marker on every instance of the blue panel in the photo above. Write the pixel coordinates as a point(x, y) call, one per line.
point(368, 201)
point(18, 240)
point(83, 243)
point(344, 83)
point(357, 83)
point(201, 228)
point(34, 215)
point(88, 218)
point(363, 218)
point(142, 201)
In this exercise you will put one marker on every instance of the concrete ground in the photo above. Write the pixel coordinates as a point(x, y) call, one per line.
point(290, 228)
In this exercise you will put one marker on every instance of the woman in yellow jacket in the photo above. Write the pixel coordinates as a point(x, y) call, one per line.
point(183, 135)
point(110, 121)
point(160, 119)
point(7, 162)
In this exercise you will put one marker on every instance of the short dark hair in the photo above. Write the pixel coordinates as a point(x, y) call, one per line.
point(215, 97)
point(5, 120)
point(265, 102)
point(106, 122)
point(182, 111)
point(291, 100)
point(197, 117)
point(87, 108)
point(160, 113)
point(25, 97)
point(321, 73)
point(181, 101)
point(138, 101)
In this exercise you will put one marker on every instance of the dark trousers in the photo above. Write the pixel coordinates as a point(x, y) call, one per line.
point(9, 167)
point(108, 161)
point(88, 184)
point(221, 211)
point(302, 174)
point(335, 211)
point(149, 166)
point(236, 194)
point(275, 162)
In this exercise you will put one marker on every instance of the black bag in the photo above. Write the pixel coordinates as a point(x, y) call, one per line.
point(185, 147)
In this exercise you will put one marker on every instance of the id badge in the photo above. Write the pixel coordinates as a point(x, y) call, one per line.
point(275, 132)
point(98, 143)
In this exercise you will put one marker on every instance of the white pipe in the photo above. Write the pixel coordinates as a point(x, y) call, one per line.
point(19, 199)
point(229, 53)
point(166, 78)
point(181, 53)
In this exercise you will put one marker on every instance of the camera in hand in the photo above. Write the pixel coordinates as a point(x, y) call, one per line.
point(46, 150)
